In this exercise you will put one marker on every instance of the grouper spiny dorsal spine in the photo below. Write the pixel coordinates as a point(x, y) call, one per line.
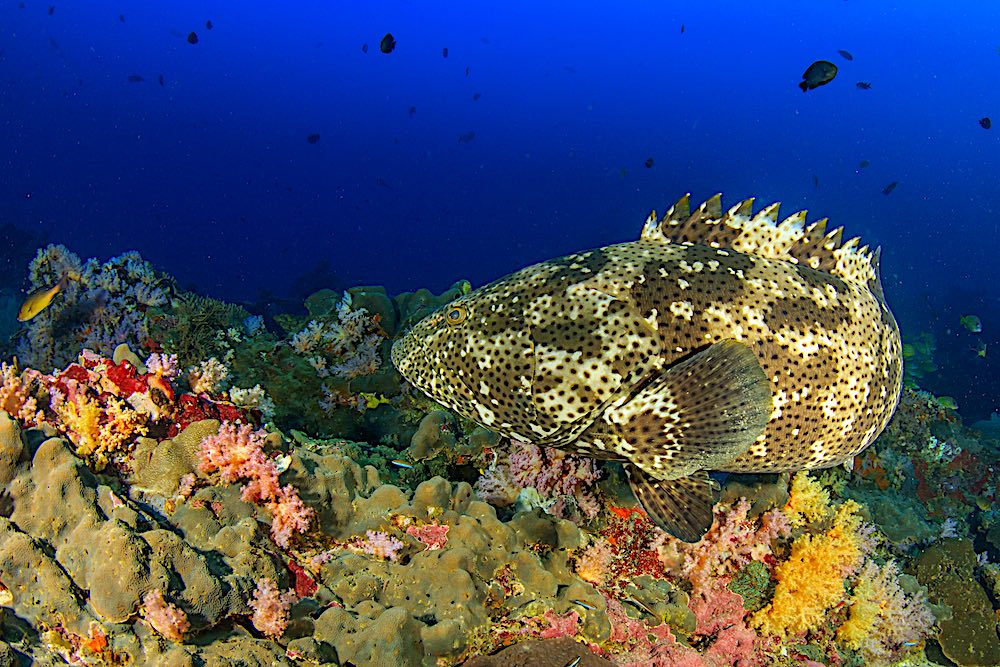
point(717, 341)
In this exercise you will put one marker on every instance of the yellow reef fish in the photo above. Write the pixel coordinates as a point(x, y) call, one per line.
point(40, 299)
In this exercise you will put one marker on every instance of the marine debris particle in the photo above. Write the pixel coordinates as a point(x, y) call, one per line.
point(887, 190)
point(467, 137)
point(985, 122)
point(592, 353)
point(313, 138)
point(648, 163)
point(818, 74)
point(444, 52)
point(846, 55)
point(863, 85)
point(388, 43)
point(192, 37)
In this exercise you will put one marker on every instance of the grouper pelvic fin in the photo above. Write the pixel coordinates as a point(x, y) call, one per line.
point(682, 507)
point(697, 415)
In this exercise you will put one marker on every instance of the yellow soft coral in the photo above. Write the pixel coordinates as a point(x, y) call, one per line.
point(808, 501)
point(98, 431)
point(811, 581)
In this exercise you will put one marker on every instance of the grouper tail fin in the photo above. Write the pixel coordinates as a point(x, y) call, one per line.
point(697, 415)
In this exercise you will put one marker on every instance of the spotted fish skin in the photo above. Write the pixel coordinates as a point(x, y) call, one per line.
point(586, 352)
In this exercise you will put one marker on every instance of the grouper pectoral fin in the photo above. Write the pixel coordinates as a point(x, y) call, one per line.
point(682, 507)
point(695, 416)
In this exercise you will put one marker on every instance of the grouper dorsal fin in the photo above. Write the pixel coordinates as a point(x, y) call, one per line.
point(761, 234)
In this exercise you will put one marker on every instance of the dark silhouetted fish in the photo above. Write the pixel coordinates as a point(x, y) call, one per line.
point(312, 138)
point(682, 28)
point(467, 137)
point(136, 78)
point(364, 48)
point(985, 122)
point(863, 85)
point(413, 111)
point(388, 43)
point(864, 164)
point(208, 24)
point(52, 10)
point(192, 38)
point(466, 71)
point(887, 190)
point(444, 52)
point(816, 181)
point(476, 96)
point(382, 183)
point(818, 74)
point(846, 55)
point(160, 79)
point(648, 163)
point(121, 17)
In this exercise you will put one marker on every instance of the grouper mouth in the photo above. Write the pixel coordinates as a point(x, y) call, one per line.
point(719, 340)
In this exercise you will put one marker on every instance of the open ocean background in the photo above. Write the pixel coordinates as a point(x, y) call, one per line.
point(208, 172)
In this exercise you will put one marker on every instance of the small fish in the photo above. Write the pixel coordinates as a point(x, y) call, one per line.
point(40, 299)
point(476, 96)
point(584, 604)
point(388, 43)
point(846, 55)
point(971, 323)
point(639, 605)
point(887, 190)
point(192, 37)
point(313, 138)
point(160, 79)
point(52, 10)
point(413, 111)
point(382, 183)
point(946, 402)
point(682, 28)
point(864, 85)
point(466, 72)
point(466, 137)
point(864, 164)
point(574, 662)
point(648, 163)
point(364, 48)
point(208, 24)
point(816, 181)
point(980, 350)
point(136, 78)
point(444, 52)
point(985, 122)
point(401, 464)
point(121, 17)
point(818, 74)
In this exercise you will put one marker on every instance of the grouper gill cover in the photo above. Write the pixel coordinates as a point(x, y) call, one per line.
point(717, 341)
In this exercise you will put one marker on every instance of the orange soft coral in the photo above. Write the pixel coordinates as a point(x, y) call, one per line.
point(811, 581)
point(98, 430)
point(808, 501)
point(15, 396)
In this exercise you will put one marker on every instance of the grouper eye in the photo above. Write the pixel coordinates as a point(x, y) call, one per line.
point(456, 315)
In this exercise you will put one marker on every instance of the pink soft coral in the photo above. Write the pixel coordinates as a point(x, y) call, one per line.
point(270, 608)
point(165, 617)
point(379, 544)
point(556, 475)
point(16, 398)
point(237, 453)
point(433, 535)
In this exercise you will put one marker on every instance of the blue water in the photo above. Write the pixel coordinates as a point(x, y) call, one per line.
point(211, 177)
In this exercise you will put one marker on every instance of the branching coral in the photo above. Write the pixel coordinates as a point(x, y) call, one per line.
point(237, 453)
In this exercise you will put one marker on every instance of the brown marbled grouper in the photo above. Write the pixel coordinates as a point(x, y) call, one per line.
point(717, 341)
